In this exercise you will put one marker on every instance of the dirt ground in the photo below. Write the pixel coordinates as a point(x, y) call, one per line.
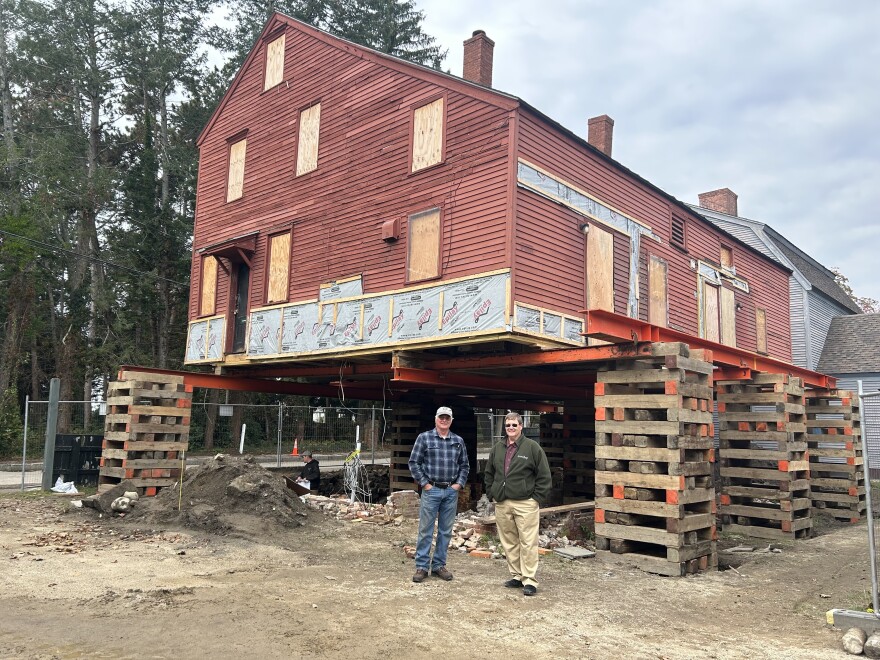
point(275, 579)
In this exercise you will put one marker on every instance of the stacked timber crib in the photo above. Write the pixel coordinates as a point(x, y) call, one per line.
point(837, 477)
point(655, 497)
point(765, 471)
point(146, 431)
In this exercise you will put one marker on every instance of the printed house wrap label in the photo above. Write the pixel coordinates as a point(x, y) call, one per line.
point(296, 336)
point(265, 332)
point(415, 315)
point(197, 345)
point(216, 331)
point(348, 289)
point(376, 320)
point(347, 329)
point(474, 305)
point(528, 319)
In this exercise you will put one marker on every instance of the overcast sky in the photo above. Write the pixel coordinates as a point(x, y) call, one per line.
point(778, 100)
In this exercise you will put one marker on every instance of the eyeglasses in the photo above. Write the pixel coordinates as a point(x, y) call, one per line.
point(511, 426)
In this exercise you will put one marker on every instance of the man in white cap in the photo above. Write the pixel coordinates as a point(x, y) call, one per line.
point(440, 466)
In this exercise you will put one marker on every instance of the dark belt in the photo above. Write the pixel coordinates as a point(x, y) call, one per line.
point(440, 484)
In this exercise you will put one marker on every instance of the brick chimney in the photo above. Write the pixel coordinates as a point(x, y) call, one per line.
point(600, 131)
point(723, 201)
point(478, 59)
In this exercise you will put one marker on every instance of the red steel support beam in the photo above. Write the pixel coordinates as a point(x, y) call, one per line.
point(470, 382)
point(608, 325)
point(212, 381)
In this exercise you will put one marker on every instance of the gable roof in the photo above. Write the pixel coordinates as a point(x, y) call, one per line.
point(487, 94)
point(820, 277)
point(809, 272)
point(852, 346)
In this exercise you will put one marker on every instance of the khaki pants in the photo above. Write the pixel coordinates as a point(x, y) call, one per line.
point(518, 522)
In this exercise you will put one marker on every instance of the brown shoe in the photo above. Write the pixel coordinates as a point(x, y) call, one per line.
point(443, 573)
point(420, 575)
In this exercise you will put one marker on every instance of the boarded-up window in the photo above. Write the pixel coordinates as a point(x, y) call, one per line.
point(274, 63)
point(307, 145)
point(599, 272)
point(279, 268)
point(761, 329)
point(427, 135)
point(423, 258)
point(235, 185)
point(728, 317)
point(726, 256)
point(658, 307)
point(209, 285)
point(711, 329)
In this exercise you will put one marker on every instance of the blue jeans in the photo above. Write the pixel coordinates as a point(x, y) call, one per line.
point(437, 504)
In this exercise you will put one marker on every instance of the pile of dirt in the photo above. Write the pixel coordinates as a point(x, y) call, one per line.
point(226, 496)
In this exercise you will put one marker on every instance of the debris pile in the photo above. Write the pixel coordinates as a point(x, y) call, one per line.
point(342, 508)
point(226, 495)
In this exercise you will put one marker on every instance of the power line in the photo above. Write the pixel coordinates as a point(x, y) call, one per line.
point(58, 248)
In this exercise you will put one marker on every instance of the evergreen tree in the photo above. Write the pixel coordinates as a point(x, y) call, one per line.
point(389, 26)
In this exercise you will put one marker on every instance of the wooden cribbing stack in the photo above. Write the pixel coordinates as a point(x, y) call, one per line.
point(765, 471)
point(407, 421)
point(579, 458)
point(655, 497)
point(553, 444)
point(837, 478)
point(146, 429)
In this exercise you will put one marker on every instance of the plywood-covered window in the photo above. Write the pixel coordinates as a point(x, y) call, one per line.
point(207, 303)
point(761, 329)
point(279, 268)
point(726, 256)
point(307, 145)
point(427, 135)
point(711, 320)
point(235, 182)
point(423, 252)
point(728, 317)
point(599, 271)
point(274, 63)
point(658, 298)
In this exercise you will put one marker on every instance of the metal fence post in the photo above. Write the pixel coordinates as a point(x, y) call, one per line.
point(280, 422)
point(51, 428)
point(373, 432)
point(27, 406)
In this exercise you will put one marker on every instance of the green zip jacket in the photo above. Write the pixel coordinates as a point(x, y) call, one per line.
point(529, 474)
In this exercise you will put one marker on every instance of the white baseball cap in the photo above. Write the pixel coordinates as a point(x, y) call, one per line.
point(443, 410)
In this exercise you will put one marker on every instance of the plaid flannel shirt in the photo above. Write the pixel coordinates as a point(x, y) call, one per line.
point(439, 459)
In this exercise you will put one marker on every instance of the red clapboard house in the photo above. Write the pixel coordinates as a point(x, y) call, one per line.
point(359, 216)
point(351, 203)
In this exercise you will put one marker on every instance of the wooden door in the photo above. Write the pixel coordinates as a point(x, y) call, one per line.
point(240, 311)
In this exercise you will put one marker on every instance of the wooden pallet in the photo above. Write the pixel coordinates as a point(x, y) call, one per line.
point(655, 496)
point(764, 465)
point(836, 454)
point(146, 431)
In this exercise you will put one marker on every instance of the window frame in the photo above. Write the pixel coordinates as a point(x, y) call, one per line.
point(267, 41)
point(268, 269)
point(444, 96)
point(300, 112)
point(231, 141)
point(409, 242)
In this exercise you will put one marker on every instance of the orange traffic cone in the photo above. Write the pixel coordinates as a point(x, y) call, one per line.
point(295, 451)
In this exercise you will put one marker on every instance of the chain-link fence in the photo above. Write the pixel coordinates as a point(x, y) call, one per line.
point(74, 418)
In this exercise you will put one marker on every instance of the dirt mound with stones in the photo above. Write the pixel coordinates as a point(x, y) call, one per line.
point(226, 496)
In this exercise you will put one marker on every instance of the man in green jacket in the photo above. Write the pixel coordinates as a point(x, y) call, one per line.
point(517, 478)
